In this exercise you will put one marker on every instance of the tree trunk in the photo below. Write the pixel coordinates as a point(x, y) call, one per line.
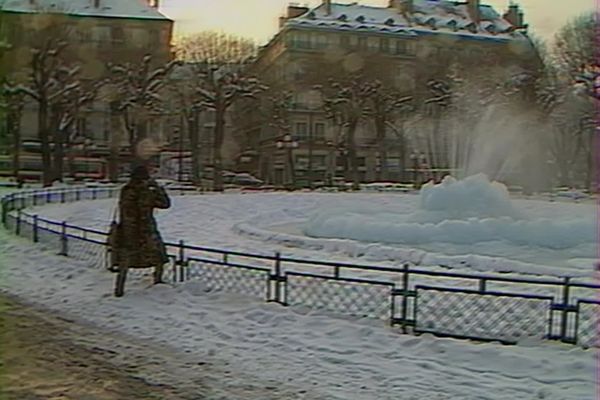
point(352, 154)
point(380, 132)
point(44, 139)
point(194, 139)
point(217, 145)
point(14, 126)
point(58, 151)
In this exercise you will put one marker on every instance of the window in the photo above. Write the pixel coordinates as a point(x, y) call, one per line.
point(101, 33)
point(301, 162)
point(319, 162)
point(301, 131)
point(362, 43)
point(322, 41)
point(303, 41)
point(117, 34)
point(319, 133)
point(345, 42)
point(400, 47)
point(384, 45)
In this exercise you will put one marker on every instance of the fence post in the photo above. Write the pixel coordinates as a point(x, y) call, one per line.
point(22, 201)
point(405, 276)
point(277, 278)
point(63, 240)
point(35, 228)
point(4, 211)
point(18, 224)
point(94, 194)
point(225, 259)
point(62, 196)
point(565, 313)
point(181, 260)
point(482, 285)
point(48, 196)
point(77, 194)
point(35, 199)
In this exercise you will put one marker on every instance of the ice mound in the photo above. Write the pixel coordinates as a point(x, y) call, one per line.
point(474, 196)
point(468, 212)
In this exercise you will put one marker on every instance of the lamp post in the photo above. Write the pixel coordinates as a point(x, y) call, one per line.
point(288, 144)
point(180, 150)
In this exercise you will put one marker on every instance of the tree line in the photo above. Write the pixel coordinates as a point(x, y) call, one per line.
point(210, 74)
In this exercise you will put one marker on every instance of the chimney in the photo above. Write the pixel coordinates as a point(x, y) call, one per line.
point(293, 11)
point(402, 6)
point(515, 16)
point(474, 13)
point(327, 5)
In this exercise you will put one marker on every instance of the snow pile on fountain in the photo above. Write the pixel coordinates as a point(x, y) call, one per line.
point(474, 196)
point(466, 212)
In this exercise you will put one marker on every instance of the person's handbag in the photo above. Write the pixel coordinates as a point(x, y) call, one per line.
point(112, 243)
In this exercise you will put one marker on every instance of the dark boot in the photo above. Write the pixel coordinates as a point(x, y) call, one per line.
point(120, 284)
point(158, 274)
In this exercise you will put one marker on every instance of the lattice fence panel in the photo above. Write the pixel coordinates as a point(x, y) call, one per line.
point(227, 278)
point(26, 229)
point(358, 299)
point(94, 254)
point(11, 223)
point(587, 327)
point(483, 316)
point(49, 239)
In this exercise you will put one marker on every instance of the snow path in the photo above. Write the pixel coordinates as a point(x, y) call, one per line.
point(327, 356)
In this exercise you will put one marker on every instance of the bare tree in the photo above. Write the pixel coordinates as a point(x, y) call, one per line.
point(386, 105)
point(183, 84)
point(217, 61)
point(137, 93)
point(220, 90)
point(347, 104)
point(12, 104)
point(215, 48)
point(43, 82)
point(574, 75)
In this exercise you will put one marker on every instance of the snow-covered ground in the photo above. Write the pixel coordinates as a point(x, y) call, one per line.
point(315, 355)
point(522, 236)
point(311, 355)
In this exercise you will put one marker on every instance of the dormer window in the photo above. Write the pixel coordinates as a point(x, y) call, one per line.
point(452, 24)
point(390, 21)
point(311, 15)
point(431, 22)
point(491, 28)
point(360, 19)
point(343, 17)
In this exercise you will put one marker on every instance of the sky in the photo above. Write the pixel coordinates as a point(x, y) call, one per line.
point(258, 19)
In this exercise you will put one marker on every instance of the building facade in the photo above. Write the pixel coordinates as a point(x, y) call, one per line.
point(94, 33)
point(404, 45)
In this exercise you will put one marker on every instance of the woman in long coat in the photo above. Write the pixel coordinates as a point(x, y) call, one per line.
point(139, 243)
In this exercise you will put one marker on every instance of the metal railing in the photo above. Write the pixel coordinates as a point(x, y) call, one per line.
point(486, 307)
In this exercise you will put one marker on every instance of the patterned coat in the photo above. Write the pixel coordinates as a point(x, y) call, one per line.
point(139, 244)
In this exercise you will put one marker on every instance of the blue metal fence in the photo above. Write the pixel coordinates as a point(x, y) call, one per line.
point(487, 307)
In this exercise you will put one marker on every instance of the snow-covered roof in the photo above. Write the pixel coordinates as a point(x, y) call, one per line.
point(428, 16)
point(138, 9)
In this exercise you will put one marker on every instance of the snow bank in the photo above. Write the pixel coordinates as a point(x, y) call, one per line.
point(315, 355)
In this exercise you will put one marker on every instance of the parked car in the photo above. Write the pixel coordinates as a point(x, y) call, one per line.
point(245, 179)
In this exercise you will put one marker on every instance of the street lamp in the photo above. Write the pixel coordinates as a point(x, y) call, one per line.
point(288, 144)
